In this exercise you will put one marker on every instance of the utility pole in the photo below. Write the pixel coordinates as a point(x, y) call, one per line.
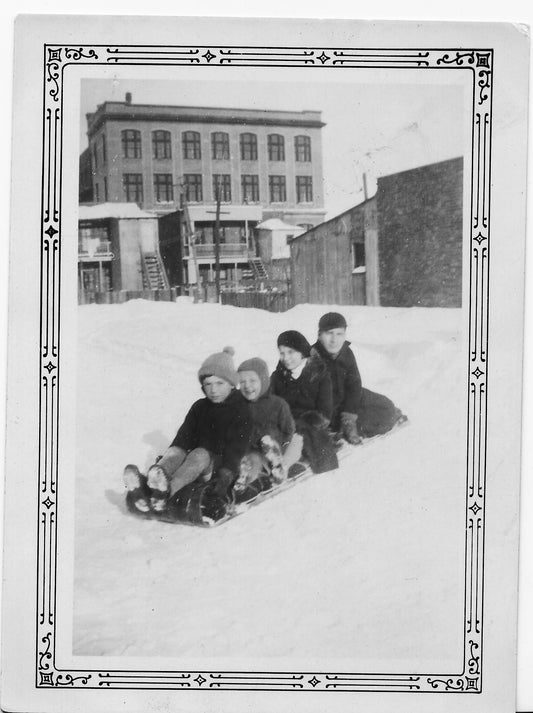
point(217, 238)
point(365, 189)
point(190, 233)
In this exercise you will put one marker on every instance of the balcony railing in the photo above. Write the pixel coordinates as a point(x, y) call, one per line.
point(207, 250)
point(95, 250)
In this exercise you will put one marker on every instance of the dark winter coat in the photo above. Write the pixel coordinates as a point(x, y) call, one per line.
point(318, 448)
point(345, 380)
point(271, 416)
point(312, 390)
point(310, 399)
point(376, 414)
point(224, 429)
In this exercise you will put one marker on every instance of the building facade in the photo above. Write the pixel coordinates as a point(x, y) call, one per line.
point(400, 248)
point(118, 249)
point(257, 164)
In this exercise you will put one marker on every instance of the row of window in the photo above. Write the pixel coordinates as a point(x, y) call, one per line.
point(220, 146)
point(193, 188)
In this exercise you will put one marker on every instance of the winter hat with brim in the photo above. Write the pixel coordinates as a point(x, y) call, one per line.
point(220, 365)
point(295, 340)
point(260, 368)
point(331, 320)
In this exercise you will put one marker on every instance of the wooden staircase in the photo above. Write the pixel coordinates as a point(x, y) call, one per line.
point(154, 275)
point(258, 268)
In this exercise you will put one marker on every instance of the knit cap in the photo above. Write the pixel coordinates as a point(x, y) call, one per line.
point(295, 340)
point(220, 365)
point(331, 320)
point(261, 369)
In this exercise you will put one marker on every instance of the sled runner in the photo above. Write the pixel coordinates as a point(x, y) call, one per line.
point(198, 505)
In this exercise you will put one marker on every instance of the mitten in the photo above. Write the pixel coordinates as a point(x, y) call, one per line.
point(349, 428)
point(222, 482)
point(315, 419)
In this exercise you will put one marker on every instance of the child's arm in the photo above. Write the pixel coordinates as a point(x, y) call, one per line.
point(286, 423)
point(186, 436)
point(239, 434)
point(353, 387)
point(324, 403)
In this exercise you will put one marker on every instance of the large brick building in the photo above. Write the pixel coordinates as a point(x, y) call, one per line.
point(262, 164)
point(402, 247)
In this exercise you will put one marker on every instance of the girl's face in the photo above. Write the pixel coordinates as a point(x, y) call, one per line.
point(250, 385)
point(216, 389)
point(332, 340)
point(290, 358)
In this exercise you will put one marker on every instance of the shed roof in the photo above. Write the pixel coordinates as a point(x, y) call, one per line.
point(112, 210)
point(277, 224)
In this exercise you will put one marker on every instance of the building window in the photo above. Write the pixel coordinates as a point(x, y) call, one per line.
point(276, 147)
point(161, 144)
point(248, 147)
point(219, 145)
point(104, 149)
point(222, 187)
point(106, 192)
point(163, 190)
point(133, 187)
point(304, 189)
point(250, 189)
point(191, 144)
point(95, 157)
point(302, 148)
point(97, 192)
point(131, 143)
point(278, 189)
point(358, 255)
point(193, 187)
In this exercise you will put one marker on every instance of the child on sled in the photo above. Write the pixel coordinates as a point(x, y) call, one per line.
point(303, 381)
point(275, 446)
point(209, 444)
point(357, 412)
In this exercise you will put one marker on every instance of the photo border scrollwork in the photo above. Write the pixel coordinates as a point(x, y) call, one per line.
point(57, 60)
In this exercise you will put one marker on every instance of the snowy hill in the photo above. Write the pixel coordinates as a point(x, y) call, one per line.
point(363, 565)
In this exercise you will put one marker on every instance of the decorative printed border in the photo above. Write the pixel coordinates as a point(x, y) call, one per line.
point(479, 63)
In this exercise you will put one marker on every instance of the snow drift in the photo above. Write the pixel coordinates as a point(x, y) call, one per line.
point(364, 565)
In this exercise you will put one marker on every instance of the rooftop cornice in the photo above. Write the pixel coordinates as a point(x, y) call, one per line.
point(204, 115)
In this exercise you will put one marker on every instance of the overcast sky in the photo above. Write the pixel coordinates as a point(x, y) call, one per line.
point(379, 124)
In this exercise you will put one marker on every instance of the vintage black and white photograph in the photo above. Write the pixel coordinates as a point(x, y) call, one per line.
point(265, 289)
point(271, 288)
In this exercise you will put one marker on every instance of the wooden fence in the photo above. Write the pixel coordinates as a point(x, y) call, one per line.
point(271, 301)
point(110, 297)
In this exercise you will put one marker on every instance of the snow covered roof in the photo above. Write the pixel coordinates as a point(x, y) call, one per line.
point(228, 212)
point(277, 224)
point(112, 210)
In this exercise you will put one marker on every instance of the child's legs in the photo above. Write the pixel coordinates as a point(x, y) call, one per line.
point(293, 452)
point(171, 460)
point(198, 462)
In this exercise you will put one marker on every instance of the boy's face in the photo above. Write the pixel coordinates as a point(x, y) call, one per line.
point(290, 358)
point(332, 340)
point(250, 385)
point(216, 389)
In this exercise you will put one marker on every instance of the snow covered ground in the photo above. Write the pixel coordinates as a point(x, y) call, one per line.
point(363, 565)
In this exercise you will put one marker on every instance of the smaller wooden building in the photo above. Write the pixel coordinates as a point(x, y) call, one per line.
point(402, 247)
point(335, 262)
point(118, 249)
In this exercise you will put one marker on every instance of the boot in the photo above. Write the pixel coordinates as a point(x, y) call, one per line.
point(138, 494)
point(159, 486)
point(273, 455)
point(349, 428)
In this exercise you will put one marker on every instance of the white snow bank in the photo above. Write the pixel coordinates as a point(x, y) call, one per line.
point(363, 565)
